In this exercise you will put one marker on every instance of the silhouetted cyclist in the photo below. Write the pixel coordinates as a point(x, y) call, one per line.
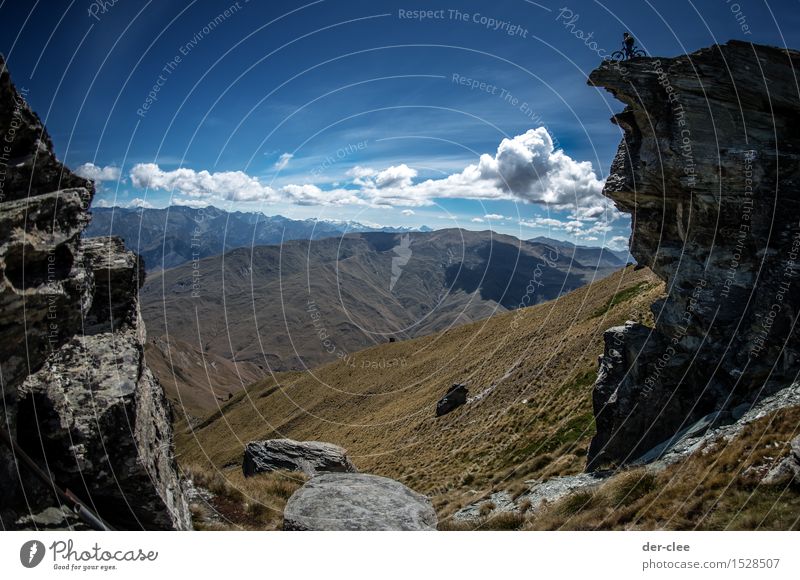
point(628, 41)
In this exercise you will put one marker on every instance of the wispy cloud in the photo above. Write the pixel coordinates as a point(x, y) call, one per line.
point(283, 161)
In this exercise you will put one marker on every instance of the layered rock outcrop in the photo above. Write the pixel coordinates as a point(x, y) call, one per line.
point(709, 169)
point(77, 396)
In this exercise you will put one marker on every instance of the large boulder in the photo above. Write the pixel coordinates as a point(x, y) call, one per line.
point(357, 502)
point(454, 398)
point(310, 457)
point(708, 169)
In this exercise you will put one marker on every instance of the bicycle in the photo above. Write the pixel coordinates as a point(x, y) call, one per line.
point(623, 54)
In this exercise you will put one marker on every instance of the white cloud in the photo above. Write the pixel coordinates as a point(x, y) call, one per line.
point(397, 176)
point(617, 243)
point(540, 222)
point(494, 216)
point(101, 203)
point(309, 194)
point(477, 220)
point(226, 185)
point(587, 229)
point(407, 212)
point(194, 203)
point(359, 172)
point(97, 173)
point(526, 168)
point(283, 161)
point(139, 202)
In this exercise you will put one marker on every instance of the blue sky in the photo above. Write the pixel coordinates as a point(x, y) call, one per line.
point(355, 109)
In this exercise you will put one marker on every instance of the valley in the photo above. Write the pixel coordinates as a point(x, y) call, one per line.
point(302, 304)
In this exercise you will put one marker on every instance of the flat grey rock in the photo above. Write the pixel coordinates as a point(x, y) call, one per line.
point(358, 502)
point(310, 457)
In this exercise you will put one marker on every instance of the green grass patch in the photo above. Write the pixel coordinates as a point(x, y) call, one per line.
point(580, 382)
point(575, 429)
point(622, 296)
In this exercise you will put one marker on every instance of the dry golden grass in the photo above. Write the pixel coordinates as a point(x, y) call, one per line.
point(533, 367)
point(241, 503)
point(716, 489)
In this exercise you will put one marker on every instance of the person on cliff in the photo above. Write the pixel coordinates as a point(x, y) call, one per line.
point(627, 45)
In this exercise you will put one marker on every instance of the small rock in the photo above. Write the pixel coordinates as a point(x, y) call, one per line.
point(788, 470)
point(51, 519)
point(358, 502)
point(310, 457)
point(455, 397)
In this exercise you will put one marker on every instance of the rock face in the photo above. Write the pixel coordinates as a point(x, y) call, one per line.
point(27, 152)
point(357, 502)
point(709, 169)
point(310, 457)
point(455, 397)
point(77, 395)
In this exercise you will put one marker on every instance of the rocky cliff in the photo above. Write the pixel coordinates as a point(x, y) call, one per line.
point(709, 169)
point(77, 396)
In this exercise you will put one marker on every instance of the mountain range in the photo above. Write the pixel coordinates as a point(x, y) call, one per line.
point(174, 235)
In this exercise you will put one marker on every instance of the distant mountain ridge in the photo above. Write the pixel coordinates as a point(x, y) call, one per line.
point(588, 254)
point(171, 236)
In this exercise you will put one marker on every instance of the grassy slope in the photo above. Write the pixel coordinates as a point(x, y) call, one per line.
point(534, 367)
point(717, 488)
point(193, 380)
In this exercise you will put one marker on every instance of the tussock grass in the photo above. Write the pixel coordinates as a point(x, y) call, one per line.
point(503, 522)
point(251, 503)
point(631, 486)
point(577, 502)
